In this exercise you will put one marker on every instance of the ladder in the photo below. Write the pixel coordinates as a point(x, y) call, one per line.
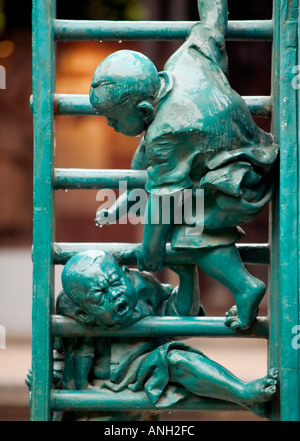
point(281, 254)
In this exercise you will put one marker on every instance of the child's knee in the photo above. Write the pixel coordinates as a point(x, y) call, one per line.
point(181, 359)
point(182, 365)
point(174, 357)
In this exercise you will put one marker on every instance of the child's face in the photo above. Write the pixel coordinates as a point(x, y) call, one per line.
point(110, 298)
point(125, 118)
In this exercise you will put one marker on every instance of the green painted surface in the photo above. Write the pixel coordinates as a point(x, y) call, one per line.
point(198, 135)
point(284, 236)
point(288, 212)
point(126, 253)
point(99, 294)
point(71, 104)
point(43, 199)
point(76, 30)
point(128, 401)
point(189, 326)
point(284, 239)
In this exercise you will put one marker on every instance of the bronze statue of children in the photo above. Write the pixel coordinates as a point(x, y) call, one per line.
point(199, 134)
point(98, 293)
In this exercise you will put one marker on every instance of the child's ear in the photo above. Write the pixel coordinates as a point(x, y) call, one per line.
point(82, 317)
point(147, 111)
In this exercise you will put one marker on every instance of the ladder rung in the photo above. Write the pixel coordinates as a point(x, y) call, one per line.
point(70, 178)
point(97, 400)
point(162, 326)
point(78, 30)
point(71, 104)
point(93, 179)
point(125, 253)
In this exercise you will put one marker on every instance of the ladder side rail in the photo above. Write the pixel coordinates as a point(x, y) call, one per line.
point(286, 242)
point(43, 58)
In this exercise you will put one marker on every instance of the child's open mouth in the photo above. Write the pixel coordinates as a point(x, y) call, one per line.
point(121, 306)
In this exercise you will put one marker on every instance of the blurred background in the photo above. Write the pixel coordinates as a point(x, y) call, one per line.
point(87, 142)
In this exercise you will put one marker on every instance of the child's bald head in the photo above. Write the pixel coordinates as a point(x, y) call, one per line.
point(123, 75)
point(124, 90)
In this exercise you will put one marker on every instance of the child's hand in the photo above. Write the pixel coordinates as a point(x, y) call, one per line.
point(150, 260)
point(102, 217)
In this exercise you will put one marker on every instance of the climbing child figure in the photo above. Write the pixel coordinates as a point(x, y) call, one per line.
point(198, 135)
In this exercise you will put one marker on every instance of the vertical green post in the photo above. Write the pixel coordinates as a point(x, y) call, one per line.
point(289, 171)
point(284, 304)
point(274, 282)
point(297, 327)
point(43, 58)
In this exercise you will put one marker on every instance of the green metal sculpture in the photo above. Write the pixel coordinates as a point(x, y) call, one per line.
point(198, 135)
point(98, 293)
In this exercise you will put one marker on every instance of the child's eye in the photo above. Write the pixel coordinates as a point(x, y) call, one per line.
point(99, 296)
point(114, 279)
point(96, 297)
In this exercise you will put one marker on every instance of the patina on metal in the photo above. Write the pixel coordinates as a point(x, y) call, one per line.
point(99, 294)
point(199, 134)
point(241, 177)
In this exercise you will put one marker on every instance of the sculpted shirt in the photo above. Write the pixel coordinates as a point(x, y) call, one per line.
point(203, 137)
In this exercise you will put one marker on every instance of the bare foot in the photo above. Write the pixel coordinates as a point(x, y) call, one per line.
point(262, 390)
point(233, 320)
point(243, 314)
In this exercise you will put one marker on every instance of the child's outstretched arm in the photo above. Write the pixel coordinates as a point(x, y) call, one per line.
point(123, 204)
point(119, 209)
point(156, 233)
point(214, 13)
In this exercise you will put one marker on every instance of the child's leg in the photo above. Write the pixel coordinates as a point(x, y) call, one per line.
point(205, 377)
point(188, 293)
point(79, 355)
point(225, 265)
